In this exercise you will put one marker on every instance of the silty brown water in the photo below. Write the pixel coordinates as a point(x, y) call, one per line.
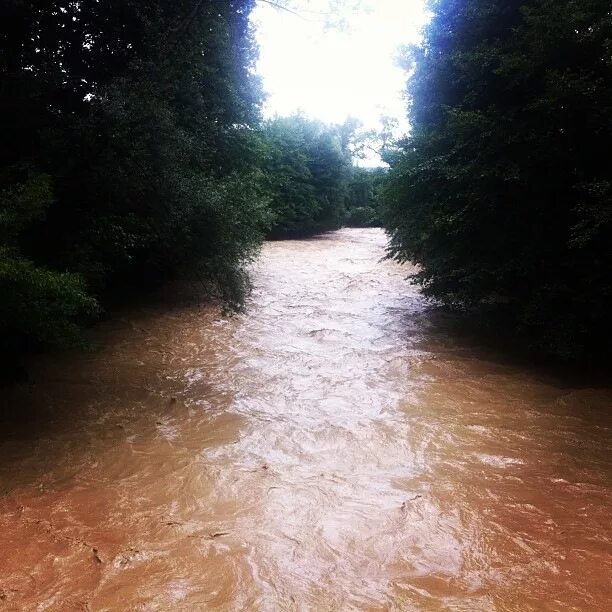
point(334, 448)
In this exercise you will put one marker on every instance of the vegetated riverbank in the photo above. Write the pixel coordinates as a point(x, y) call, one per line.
point(335, 446)
point(134, 153)
point(500, 192)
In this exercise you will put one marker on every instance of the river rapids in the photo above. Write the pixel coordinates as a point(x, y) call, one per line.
point(335, 447)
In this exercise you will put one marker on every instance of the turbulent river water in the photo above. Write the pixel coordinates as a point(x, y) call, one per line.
point(333, 448)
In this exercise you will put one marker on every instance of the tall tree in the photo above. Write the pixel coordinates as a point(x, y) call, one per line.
point(363, 196)
point(307, 169)
point(503, 190)
point(128, 153)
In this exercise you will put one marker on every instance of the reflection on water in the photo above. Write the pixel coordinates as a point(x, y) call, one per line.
point(329, 450)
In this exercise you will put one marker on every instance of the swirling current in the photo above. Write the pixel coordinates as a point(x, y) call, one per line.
point(335, 447)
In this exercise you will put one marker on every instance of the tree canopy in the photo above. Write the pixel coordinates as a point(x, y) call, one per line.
point(502, 191)
point(134, 152)
point(311, 180)
point(306, 168)
point(128, 154)
point(364, 196)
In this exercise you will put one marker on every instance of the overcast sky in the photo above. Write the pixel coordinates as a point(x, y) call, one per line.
point(337, 58)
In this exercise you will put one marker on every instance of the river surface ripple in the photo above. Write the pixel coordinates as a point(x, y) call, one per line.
point(334, 448)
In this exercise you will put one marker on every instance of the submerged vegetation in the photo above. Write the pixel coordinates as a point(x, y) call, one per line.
point(503, 190)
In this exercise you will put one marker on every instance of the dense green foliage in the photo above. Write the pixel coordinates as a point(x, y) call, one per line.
point(133, 152)
point(306, 168)
point(36, 302)
point(128, 154)
point(363, 197)
point(310, 180)
point(503, 190)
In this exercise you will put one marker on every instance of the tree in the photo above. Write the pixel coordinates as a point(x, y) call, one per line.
point(129, 153)
point(363, 197)
point(502, 192)
point(306, 169)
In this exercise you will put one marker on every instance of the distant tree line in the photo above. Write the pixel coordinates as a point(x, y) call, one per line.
point(311, 182)
point(503, 190)
point(133, 151)
point(363, 198)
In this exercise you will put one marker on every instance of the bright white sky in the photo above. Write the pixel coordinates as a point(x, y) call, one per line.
point(337, 58)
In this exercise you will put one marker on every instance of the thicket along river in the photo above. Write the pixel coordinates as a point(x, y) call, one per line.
point(333, 448)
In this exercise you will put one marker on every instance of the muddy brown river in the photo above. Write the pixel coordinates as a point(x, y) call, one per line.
point(333, 448)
